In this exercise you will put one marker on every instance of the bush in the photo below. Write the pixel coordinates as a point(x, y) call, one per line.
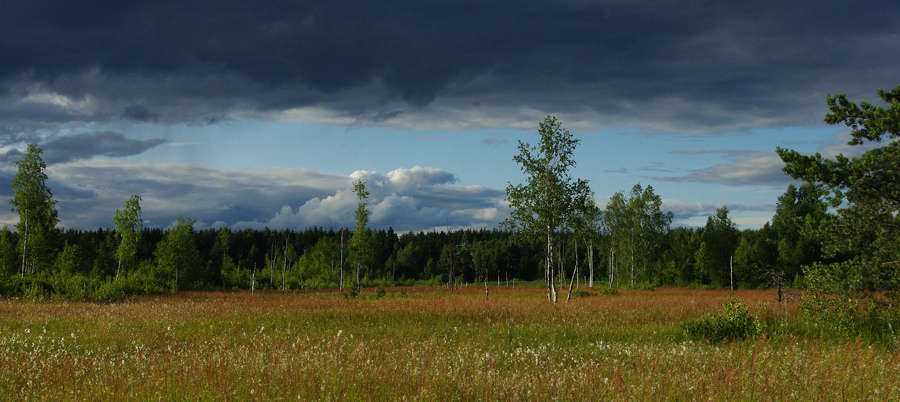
point(868, 315)
point(34, 292)
point(581, 293)
point(735, 322)
point(609, 291)
point(75, 286)
point(109, 291)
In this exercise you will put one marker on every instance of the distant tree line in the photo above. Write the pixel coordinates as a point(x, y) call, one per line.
point(85, 263)
point(630, 244)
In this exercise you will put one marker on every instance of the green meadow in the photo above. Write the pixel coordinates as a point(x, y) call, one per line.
point(427, 344)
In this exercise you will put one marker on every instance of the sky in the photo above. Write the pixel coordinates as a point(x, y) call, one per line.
point(252, 114)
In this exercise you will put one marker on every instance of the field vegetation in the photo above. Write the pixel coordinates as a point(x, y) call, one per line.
point(428, 343)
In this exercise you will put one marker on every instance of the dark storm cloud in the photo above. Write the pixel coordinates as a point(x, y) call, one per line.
point(88, 145)
point(85, 146)
point(692, 66)
point(139, 113)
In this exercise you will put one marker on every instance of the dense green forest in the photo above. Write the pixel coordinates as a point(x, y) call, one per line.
point(84, 264)
point(837, 232)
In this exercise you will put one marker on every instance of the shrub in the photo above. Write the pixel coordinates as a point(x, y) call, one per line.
point(609, 291)
point(871, 316)
point(581, 293)
point(34, 292)
point(109, 291)
point(735, 322)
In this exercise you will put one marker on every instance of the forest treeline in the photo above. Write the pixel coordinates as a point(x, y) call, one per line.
point(85, 263)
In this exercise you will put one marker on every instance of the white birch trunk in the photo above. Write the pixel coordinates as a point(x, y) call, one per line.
point(591, 263)
point(25, 244)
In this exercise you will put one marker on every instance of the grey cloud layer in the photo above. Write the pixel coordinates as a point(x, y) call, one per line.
point(685, 211)
point(67, 148)
point(411, 199)
point(692, 66)
point(754, 168)
point(747, 168)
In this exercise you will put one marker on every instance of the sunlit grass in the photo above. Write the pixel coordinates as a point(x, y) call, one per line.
point(423, 344)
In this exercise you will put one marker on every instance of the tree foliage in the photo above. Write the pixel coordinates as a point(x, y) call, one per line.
point(34, 202)
point(863, 235)
point(360, 243)
point(799, 214)
point(544, 203)
point(129, 226)
point(637, 226)
point(721, 238)
point(177, 257)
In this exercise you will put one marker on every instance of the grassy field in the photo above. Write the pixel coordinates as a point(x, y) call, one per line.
point(424, 344)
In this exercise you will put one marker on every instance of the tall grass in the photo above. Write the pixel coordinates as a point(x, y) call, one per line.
point(422, 344)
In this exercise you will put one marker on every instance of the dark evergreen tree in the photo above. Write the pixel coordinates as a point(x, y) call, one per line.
point(864, 235)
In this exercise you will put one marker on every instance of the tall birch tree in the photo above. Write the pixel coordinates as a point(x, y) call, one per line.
point(177, 256)
point(360, 242)
point(637, 225)
point(542, 205)
point(128, 229)
point(34, 202)
point(591, 218)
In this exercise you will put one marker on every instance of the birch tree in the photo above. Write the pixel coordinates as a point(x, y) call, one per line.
point(541, 205)
point(34, 202)
point(448, 262)
point(584, 222)
point(593, 218)
point(360, 242)
point(616, 220)
point(177, 257)
point(128, 229)
point(637, 225)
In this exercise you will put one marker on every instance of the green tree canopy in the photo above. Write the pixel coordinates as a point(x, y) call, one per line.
point(361, 242)
point(129, 226)
point(543, 204)
point(177, 257)
point(721, 238)
point(36, 207)
point(638, 227)
point(799, 213)
point(864, 234)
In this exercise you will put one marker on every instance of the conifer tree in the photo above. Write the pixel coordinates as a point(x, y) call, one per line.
point(864, 235)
